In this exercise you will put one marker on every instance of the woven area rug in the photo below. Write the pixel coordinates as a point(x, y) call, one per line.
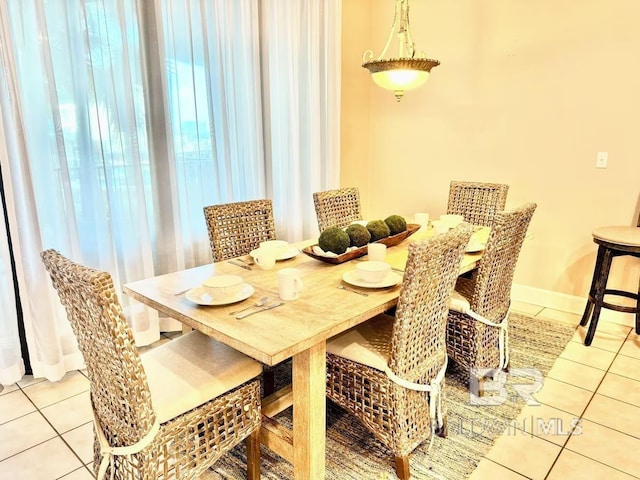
point(353, 453)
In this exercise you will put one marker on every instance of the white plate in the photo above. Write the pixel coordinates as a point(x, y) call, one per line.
point(200, 296)
point(286, 255)
point(475, 246)
point(353, 278)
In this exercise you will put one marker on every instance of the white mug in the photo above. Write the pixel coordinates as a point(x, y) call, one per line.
point(452, 220)
point(440, 226)
point(265, 258)
point(421, 219)
point(377, 252)
point(289, 283)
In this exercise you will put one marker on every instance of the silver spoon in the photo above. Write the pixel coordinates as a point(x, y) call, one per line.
point(259, 303)
point(182, 291)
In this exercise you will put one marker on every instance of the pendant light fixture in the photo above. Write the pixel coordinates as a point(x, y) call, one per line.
point(410, 69)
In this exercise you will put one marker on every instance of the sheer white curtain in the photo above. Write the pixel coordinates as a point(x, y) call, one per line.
point(255, 85)
point(77, 165)
point(301, 55)
point(211, 63)
point(11, 362)
point(122, 119)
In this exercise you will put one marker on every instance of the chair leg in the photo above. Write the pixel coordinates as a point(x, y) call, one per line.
point(480, 384)
point(442, 431)
point(601, 286)
point(253, 455)
point(402, 467)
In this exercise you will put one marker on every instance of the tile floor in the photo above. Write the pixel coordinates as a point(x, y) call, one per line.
point(587, 425)
point(46, 433)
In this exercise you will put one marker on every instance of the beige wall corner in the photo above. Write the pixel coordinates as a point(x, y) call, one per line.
point(527, 93)
point(355, 102)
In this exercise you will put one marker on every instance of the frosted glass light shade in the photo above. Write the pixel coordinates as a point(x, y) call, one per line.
point(400, 74)
point(400, 79)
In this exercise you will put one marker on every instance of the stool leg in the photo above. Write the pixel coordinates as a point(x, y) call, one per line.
point(638, 311)
point(601, 285)
point(587, 312)
point(592, 291)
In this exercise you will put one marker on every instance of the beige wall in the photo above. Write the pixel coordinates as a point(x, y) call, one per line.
point(527, 93)
point(355, 118)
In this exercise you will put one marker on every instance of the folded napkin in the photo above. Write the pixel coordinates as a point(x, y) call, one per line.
point(475, 245)
point(318, 251)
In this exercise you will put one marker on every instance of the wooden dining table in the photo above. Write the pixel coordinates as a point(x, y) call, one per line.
point(299, 330)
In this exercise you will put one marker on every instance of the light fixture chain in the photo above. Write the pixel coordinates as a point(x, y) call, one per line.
point(404, 32)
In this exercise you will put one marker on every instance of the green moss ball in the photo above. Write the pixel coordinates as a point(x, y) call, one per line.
point(378, 230)
point(335, 240)
point(396, 224)
point(358, 234)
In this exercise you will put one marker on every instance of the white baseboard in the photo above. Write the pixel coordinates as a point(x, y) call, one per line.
point(548, 299)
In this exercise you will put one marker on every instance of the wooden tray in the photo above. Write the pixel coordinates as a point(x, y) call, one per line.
point(358, 252)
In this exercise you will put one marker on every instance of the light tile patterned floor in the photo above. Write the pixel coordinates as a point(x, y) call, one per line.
point(46, 433)
point(597, 386)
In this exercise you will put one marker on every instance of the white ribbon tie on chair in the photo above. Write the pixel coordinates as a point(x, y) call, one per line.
point(503, 335)
point(435, 394)
point(107, 452)
point(460, 304)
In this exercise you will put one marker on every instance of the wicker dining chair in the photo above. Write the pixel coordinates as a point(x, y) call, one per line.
point(389, 371)
point(168, 413)
point(237, 228)
point(478, 202)
point(337, 208)
point(477, 327)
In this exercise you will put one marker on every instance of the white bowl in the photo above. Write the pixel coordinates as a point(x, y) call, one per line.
point(451, 220)
point(222, 287)
point(373, 272)
point(279, 247)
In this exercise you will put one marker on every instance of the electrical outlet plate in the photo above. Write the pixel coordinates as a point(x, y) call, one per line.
point(602, 160)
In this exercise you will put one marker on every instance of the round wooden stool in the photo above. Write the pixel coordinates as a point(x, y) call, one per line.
point(613, 242)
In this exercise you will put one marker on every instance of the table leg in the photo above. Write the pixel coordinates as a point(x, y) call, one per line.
point(309, 413)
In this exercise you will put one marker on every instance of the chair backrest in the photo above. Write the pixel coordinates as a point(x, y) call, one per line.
point(337, 208)
point(418, 347)
point(119, 391)
point(237, 228)
point(492, 280)
point(478, 202)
